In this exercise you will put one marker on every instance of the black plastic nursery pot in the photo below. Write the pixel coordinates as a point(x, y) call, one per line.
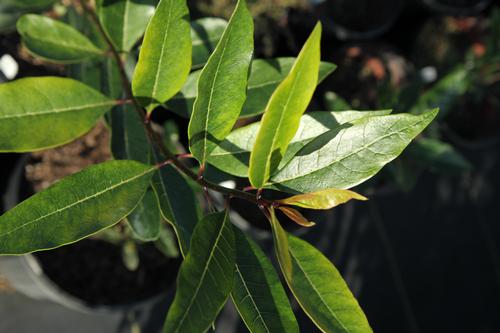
point(88, 276)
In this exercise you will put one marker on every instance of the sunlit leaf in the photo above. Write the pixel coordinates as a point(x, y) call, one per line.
point(54, 40)
point(317, 285)
point(44, 112)
point(165, 56)
point(282, 116)
point(222, 85)
point(75, 207)
point(324, 199)
point(350, 154)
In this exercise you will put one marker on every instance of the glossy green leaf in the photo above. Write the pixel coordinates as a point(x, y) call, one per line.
point(257, 292)
point(233, 154)
point(222, 85)
point(75, 207)
point(169, 186)
point(205, 34)
point(325, 199)
point(125, 21)
point(317, 285)
point(43, 112)
point(265, 76)
point(282, 116)
point(54, 40)
point(129, 140)
point(145, 219)
point(205, 278)
point(165, 56)
point(350, 154)
point(443, 94)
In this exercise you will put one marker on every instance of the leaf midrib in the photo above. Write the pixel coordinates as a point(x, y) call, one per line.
point(202, 278)
point(58, 110)
point(350, 154)
point(90, 197)
point(317, 292)
point(252, 299)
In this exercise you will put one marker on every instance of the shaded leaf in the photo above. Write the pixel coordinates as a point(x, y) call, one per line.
point(125, 21)
point(317, 285)
point(205, 34)
point(296, 217)
point(205, 278)
point(54, 40)
point(346, 156)
point(75, 207)
point(167, 242)
point(169, 186)
point(257, 292)
point(233, 154)
point(335, 102)
point(165, 56)
point(265, 76)
point(324, 199)
point(145, 218)
point(129, 140)
point(222, 85)
point(282, 116)
point(33, 107)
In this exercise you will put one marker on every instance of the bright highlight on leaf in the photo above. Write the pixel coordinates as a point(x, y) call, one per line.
point(325, 199)
point(44, 112)
point(165, 57)
point(317, 285)
point(346, 156)
point(222, 85)
point(233, 154)
point(54, 40)
point(282, 116)
point(74, 208)
point(205, 278)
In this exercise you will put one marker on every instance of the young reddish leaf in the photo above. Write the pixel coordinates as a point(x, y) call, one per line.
point(324, 199)
point(296, 216)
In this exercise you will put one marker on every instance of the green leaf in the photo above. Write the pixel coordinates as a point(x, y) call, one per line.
point(222, 85)
point(282, 116)
point(165, 56)
point(265, 76)
point(145, 219)
point(325, 199)
point(348, 155)
point(44, 112)
point(129, 140)
point(167, 242)
point(125, 21)
point(257, 292)
point(75, 207)
point(54, 40)
point(205, 278)
point(183, 214)
point(317, 285)
point(233, 154)
point(444, 94)
point(205, 34)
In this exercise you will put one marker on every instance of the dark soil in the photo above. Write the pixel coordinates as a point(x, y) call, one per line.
point(92, 270)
